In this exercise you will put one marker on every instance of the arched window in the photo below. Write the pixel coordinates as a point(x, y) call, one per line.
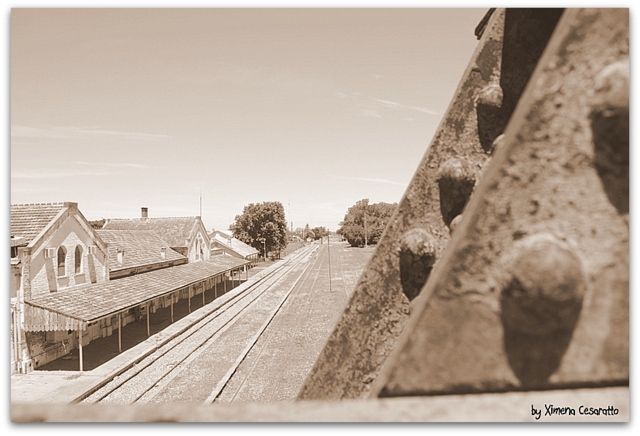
point(198, 251)
point(78, 259)
point(62, 257)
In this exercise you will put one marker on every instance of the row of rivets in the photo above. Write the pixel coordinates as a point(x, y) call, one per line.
point(456, 179)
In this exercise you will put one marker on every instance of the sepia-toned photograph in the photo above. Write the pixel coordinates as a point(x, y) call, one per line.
point(318, 215)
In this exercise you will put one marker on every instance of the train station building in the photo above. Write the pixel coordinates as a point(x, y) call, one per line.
point(72, 284)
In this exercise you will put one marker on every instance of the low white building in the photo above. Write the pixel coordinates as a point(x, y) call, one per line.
point(223, 243)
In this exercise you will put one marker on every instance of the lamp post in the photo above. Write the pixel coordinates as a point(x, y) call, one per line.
point(264, 250)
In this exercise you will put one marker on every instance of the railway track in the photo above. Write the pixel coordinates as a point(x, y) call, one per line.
point(301, 303)
point(142, 382)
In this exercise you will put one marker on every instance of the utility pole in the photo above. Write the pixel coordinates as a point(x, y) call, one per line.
point(365, 226)
point(329, 256)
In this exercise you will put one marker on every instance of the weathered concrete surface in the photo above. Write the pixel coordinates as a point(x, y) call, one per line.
point(484, 100)
point(483, 323)
point(507, 407)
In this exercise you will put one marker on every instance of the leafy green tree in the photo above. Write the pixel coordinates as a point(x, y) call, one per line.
point(262, 225)
point(365, 223)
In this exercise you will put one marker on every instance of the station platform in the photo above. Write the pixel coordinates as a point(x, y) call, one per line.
point(61, 381)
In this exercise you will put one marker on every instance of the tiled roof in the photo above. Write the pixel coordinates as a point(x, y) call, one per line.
point(175, 231)
point(93, 302)
point(28, 220)
point(141, 247)
point(235, 244)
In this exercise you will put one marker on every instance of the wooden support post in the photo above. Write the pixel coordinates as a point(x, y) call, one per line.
point(80, 349)
point(172, 308)
point(203, 288)
point(215, 289)
point(148, 328)
point(225, 283)
point(189, 299)
point(119, 332)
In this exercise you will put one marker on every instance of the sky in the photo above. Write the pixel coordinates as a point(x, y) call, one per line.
point(117, 109)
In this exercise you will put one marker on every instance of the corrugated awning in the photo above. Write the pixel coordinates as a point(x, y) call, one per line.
point(75, 308)
point(41, 319)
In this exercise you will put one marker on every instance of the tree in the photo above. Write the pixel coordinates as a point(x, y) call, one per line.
point(319, 232)
point(364, 223)
point(263, 226)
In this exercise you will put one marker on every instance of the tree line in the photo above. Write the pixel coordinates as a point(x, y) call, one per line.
point(364, 223)
point(264, 227)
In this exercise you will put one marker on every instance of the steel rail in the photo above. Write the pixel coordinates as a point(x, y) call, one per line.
point(253, 290)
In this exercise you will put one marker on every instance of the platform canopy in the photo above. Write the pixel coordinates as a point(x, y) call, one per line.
point(75, 308)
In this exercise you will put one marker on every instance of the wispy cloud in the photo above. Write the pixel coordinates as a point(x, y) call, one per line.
point(113, 165)
point(397, 106)
point(370, 113)
point(375, 107)
point(54, 174)
point(82, 169)
point(370, 179)
point(389, 104)
point(375, 180)
point(72, 132)
point(424, 110)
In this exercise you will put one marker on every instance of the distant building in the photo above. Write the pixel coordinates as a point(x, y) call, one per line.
point(186, 235)
point(138, 251)
point(223, 243)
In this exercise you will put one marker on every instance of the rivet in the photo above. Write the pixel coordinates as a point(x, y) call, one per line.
point(417, 257)
point(543, 287)
point(456, 179)
point(497, 143)
point(490, 116)
point(490, 95)
point(609, 119)
point(612, 89)
point(454, 223)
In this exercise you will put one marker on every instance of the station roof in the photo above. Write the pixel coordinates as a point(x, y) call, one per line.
point(141, 248)
point(28, 220)
point(175, 231)
point(234, 244)
point(75, 308)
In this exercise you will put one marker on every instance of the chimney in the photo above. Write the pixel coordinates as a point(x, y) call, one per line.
point(120, 256)
point(145, 212)
point(163, 253)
